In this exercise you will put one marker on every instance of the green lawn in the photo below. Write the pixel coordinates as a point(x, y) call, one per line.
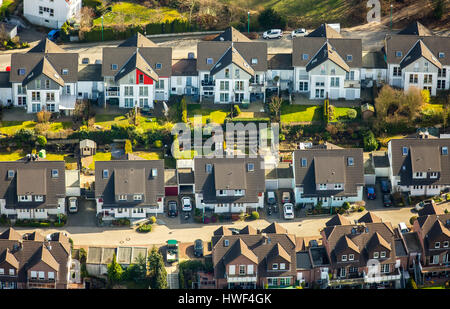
point(12, 156)
point(148, 155)
point(136, 14)
point(341, 112)
point(8, 5)
point(301, 113)
point(215, 115)
point(147, 124)
point(11, 127)
point(100, 156)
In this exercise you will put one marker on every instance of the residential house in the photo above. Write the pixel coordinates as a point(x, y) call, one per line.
point(32, 189)
point(184, 80)
point(419, 166)
point(229, 185)
point(254, 259)
point(417, 58)
point(90, 85)
point(32, 261)
point(280, 73)
point(232, 68)
point(327, 65)
point(433, 231)
point(129, 188)
point(51, 13)
point(328, 175)
point(136, 73)
point(373, 69)
point(5, 89)
point(363, 254)
point(44, 78)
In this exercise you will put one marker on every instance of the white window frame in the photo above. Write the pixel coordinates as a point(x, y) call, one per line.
point(137, 197)
point(275, 266)
point(344, 258)
point(437, 245)
point(351, 257)
point(383, 254)
point(282, 266)
point(121, 197)
point(376, 255)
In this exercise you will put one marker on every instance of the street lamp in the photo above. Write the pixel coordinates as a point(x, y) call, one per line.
point(248, 23)
point(391, 16)
point(102, 27)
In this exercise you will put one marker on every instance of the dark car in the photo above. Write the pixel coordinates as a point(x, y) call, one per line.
point(173, 209)
point(371, 195)
point(385, 187)
point(198, 248)
point(387, 200)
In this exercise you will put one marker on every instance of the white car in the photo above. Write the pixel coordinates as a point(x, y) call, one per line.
point(299, 32)
point(288, 211)
point(419, 206)
point(273, 34)
point(73, 205)
point(186, 203)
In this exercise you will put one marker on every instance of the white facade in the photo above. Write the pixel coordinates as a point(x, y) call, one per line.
point(89, 89)
point(30, 213)
point(228, 207)
point(327, 201)
point(184, 85)
point(5, 96)
point(130, 212)
point(51, 13)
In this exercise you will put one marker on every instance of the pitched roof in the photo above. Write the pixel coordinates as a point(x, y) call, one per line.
point(373, 60)
point(278, 251)
point(222, 231)
point(416, 28)
point(377, 239)
point(337, 220)
point(245, 50)
point(11, 234)
point(279, 61)
point(47, 46)
point(6, 256)
point(417, 51)
point(438, 229)
point(319, 48)
point(370, 217)
point(423, 154)
point(25, 175)
point(229, 176)
point(430, 209)
point(274, 228)
point(206, 183)
point(138, 40)
point(318, 165)
point(136, 61)
point(138, 173)
point(232, 56)
point(231, 34)
point(35, 236)
point(184, 67)
point(44, 255)
point(237, 249)
point(404, 43)
point(324, 31)
point(249, 230)
point(90, 72)
point(344, 243)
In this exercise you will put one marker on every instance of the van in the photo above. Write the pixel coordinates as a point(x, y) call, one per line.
point(271, 199)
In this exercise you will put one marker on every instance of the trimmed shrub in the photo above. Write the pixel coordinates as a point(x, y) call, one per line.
point(346, 206)
point(236, 111)
point(361, 209)
point(255, 215)
point(41, 140)
point(152, 220)
point(145, 228)
point(128, 147)
point(412, 219)
point(158, 144)
point(351, 113)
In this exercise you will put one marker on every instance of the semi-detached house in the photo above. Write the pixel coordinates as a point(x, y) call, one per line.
point(136, 73)
point(44, 78)
point(51, 13)
point(327, 65)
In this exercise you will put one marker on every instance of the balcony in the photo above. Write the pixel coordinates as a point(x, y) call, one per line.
point(113, 92)
point(44, 281)
point(352, 84)
point(208, 83)
point(241, 278)
point(381, 278)
point(352, 279)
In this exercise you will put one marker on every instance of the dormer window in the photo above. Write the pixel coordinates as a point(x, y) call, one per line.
point(433, 175)
point(282, 266)
point(349, 58)
point(405, 151)
point(10, 174)
point(275, 266)
point(55, 173)
point(322, 186)
point(398, 54)
point(250, 167)
point(114, 66)
point(444, 151)
point(344, 258)
point(158, 66)
point(350, 161)
point(338, 186)
point(304, 162)
point(209, 60)
point(209, 168)
point(238, 192)
point(105, 174)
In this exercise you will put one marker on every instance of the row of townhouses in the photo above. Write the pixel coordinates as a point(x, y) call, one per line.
point(367, 253)
point(229, 69)
point(136, 188)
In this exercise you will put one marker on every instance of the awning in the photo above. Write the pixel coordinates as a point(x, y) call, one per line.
point(67, 102)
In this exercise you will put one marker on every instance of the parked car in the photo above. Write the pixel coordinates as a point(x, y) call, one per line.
point(371, 195)
point(73, 205)
point(403, 228)
point(172, 251)
point(288, 211)
point(421, 205)
point(385, 186)
point(173, 209)
point(299, 32)
point(234, 230)
point(198, 248)
point(273, 34)
point(271, 198)
point(286, 197)
point(387, 200)
point(186, 203)
point(53, 35)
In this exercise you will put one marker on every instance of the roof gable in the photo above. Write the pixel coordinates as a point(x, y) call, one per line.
point(138, 40)
point(231, 34)
point(416, 52)
point(324, 31)
point(416, 28)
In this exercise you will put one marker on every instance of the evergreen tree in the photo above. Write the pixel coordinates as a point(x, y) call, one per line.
point(115, 271)
point(157, 270)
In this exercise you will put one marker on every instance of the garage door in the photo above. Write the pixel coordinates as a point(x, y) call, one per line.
point(271, 184)
point(171, 191)
point(350, 94)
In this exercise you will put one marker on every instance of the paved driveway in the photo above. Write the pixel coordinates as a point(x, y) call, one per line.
point(86, 215)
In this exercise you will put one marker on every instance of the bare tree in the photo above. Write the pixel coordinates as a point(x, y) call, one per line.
point(86, 18)
point(275, 105)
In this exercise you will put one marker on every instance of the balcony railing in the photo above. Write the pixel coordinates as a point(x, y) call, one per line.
point(352, 84)
point(208, 82)
point(36, 280)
